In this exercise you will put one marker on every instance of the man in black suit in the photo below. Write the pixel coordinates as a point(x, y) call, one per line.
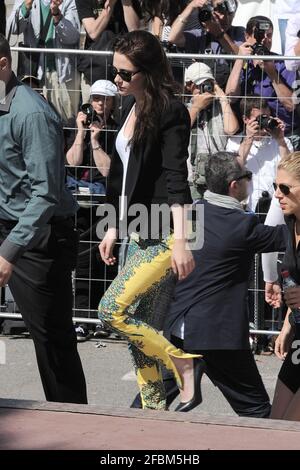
point(209, 311)
point(2, 17)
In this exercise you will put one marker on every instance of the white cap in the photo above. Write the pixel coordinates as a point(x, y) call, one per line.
point(198, 73)
point(104, 88)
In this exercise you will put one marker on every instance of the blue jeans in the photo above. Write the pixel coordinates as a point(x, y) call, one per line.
point(282, 24)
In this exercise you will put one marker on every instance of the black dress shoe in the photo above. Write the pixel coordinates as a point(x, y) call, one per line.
point(199, 369)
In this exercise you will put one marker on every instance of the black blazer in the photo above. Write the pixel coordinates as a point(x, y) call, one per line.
point(213, 298)
point(157, 170)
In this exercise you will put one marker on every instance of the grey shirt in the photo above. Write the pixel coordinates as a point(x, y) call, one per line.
point(32, 172)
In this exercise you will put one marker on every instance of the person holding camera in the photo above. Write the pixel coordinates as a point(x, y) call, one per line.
point(50, 24)
point(103, 20)
point(269, 79)
point(215, 35)
point(95, 136)
point(261, 147)
point(212, 121)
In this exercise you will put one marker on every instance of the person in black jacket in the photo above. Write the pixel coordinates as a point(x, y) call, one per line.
point(148, 169)
point(209, 312)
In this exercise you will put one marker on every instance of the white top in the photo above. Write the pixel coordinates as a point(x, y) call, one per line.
point(262, 161)
point(291, 39)
point(123, 149)
point(269, 260)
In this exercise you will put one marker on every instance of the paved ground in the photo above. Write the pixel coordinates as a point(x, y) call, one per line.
point(109, 374)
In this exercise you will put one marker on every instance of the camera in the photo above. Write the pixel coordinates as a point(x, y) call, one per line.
point(205, 13)
point(168, 46)
point(91, 115)
point(206, 87)
point(266, 122)
point(259, 33)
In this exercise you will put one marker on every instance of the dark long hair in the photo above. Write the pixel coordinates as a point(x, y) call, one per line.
point(146, 53)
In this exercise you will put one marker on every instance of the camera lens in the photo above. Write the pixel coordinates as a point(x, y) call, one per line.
point(205, 14)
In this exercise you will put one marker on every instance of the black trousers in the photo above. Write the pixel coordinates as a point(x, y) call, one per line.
point(236, 375)
point(41, 285)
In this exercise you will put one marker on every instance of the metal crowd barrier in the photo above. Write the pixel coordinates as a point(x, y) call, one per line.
point(183, 60)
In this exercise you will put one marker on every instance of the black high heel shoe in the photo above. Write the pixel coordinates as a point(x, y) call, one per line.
point(199, 369)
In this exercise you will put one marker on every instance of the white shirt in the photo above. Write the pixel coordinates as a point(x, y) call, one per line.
point(291, 39)
point(262, 160)
point(123, 149)
point(286, 8)
point(269, 260)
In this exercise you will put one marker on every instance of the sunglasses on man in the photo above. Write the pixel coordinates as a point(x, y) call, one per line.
point(126, 75)
point(284, 188)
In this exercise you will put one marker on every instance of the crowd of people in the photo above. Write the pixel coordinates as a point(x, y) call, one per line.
point(219, 136)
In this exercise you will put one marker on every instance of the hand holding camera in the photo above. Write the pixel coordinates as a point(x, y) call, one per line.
point(252, 128)
point(203, 96)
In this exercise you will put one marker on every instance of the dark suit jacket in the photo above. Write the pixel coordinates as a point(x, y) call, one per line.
point(157, 170)
point(213, 298)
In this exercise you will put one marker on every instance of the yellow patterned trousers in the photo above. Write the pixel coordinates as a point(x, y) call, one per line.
point(126, 307)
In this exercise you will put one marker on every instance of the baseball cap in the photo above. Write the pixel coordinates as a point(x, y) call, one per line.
point(198, 73)
point(104, 88)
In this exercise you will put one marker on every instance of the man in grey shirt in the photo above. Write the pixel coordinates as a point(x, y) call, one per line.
point(38, 241)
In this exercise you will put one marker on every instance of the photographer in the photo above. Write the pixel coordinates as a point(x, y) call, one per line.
point(215, 34)
point(94, 139)
point(261, 148)
point(212, 120)
point(269, 79)
point(103, 20)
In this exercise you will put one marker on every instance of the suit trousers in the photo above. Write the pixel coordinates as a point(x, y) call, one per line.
point(235, 374)
point(41, 285)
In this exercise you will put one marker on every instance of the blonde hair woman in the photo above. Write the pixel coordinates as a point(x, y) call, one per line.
point(286, 403)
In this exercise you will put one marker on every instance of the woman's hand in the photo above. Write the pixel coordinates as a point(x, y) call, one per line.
point(182, 260)
point(107, 245)
point(284, 341)
point(273, 294)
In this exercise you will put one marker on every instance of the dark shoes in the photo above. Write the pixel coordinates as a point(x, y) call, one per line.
point(82, 333)
point(101, 331)
point(199, 369)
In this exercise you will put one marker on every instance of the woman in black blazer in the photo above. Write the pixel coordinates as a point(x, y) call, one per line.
point(148, 169)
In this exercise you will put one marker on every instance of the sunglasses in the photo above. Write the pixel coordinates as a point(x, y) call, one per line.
point(284, 188)
point(247, 174)
point(126, 75)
